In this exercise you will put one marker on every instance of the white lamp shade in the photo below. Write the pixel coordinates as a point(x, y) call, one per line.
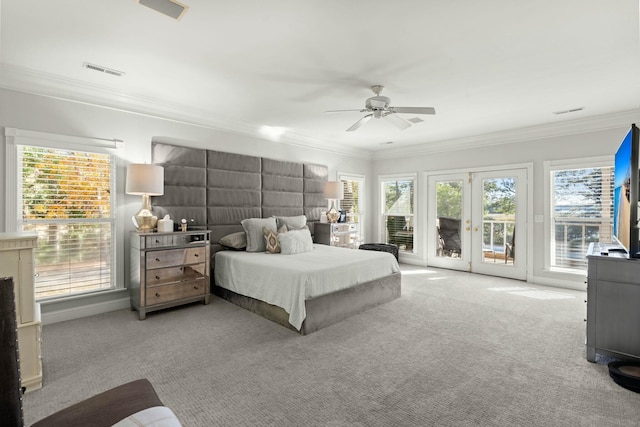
point(333, 190)
point(145, 179)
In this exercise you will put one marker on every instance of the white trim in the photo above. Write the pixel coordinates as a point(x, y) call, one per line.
point(551, 130)
point(107, 146)
point(43, 139)
point(85, 310)
point(362, 200)
point(26, 80)
point(417, 244)
point(554, 165)
point(558, 283)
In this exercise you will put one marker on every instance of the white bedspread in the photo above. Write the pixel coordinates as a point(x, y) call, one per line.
point(287, 280)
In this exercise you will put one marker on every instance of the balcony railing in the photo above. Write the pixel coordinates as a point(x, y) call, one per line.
point(572, 238)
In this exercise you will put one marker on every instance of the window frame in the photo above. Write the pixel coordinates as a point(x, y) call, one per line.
point(362, 196)
point(550, 166)
point(382, 228)
point(19, 137)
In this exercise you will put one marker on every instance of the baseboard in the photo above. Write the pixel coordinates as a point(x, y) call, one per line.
point(84, 310)
point(560, 283)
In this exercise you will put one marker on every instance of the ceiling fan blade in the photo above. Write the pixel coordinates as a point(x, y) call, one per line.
point(397, 121)
point(344, 111)
point(360, 122)
point(413, 110)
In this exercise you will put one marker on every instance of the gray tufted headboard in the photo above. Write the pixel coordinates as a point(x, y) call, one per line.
point(217, 190)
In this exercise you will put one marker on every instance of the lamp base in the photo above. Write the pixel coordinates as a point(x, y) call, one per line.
point(145, 220)
point(332, 214)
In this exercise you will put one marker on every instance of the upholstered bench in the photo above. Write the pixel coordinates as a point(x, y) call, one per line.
point(382, 247)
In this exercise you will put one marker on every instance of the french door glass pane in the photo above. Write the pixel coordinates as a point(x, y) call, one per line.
point(449, 218)
point(498, 220)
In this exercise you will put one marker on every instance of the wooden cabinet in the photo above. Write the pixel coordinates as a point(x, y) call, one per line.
point(337, 234)
point(17, 261)
point(169, 269)
point(613, 302)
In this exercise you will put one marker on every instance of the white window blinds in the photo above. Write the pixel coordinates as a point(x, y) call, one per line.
point(582, 209)
point(67, 197)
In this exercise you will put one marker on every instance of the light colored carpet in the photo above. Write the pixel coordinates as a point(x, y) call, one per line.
point(455, 350)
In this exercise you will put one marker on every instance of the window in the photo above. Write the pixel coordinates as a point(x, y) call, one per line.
point(353, 201)
point(581, 211)
point(398, 206)
point(66, 196)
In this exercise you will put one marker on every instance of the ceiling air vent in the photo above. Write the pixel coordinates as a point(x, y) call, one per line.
point(102, 69)
point(171, 8)
point(573, 110)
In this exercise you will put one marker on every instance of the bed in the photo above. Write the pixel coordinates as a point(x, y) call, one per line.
point(310, 290)
point(217, 191)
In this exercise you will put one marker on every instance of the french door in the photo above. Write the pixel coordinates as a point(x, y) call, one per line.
point(477, 222)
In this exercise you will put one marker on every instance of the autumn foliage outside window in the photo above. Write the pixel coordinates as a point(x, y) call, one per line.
point(67, 198)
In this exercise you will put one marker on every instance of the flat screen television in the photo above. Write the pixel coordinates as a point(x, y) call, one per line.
point(625, 197)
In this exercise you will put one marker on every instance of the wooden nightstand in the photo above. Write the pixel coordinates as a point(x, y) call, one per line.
point(169, 269)
point(343, 234)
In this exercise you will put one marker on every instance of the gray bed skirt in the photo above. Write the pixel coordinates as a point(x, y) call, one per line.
point(326, 309)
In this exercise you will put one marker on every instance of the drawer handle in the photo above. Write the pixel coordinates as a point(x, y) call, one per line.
point(157, 241)
point(195, 255)
point(157, 259)
point(157, 277)
point(195, 287)
point(157, 294)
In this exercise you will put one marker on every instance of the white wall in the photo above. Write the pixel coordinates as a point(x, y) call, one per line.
point(537, 151)
point(44, 114)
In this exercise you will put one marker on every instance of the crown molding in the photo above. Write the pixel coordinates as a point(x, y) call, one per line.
point(26, 80)
point(512, 136)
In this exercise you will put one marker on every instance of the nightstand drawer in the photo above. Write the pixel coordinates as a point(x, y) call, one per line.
point(173, 239)
point(169, 293)
point(159, 259)
point(164, 276)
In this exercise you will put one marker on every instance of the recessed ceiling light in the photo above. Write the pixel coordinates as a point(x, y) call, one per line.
point(171, 8)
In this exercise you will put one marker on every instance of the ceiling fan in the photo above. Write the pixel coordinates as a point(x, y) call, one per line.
point(378, 107)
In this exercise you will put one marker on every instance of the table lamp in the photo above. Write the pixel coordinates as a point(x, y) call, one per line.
point(333, 190)
point(145, 180)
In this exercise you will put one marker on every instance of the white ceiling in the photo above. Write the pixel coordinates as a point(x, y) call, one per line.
point(486, 66)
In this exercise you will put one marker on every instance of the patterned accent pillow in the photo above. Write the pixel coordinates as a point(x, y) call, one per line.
point(271, 239)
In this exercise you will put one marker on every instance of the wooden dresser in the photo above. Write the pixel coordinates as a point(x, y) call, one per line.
point(169, 269)
point(17, 261)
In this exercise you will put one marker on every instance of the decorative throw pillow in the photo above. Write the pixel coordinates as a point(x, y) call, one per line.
point(292, 222)
point(253, 229)
point(236, 241)
point(271, 239)
point(295, 242)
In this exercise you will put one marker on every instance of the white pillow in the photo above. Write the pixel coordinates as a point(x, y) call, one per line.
point(292, 222)
point(295, 242)
point(157, 416)
point(255, 237)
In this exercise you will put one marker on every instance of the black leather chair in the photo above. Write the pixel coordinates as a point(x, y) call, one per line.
point(449, 237)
